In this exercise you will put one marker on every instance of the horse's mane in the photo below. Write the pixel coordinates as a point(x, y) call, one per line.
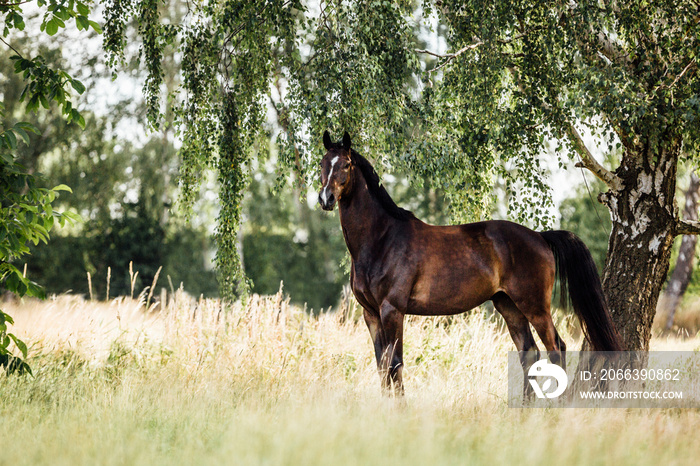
point(377, 191)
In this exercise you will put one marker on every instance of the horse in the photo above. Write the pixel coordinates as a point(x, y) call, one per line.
point(401, 265)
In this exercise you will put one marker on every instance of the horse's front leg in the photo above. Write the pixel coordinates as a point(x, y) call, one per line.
point(386, 330)
point(374, 325)
point(391, 362)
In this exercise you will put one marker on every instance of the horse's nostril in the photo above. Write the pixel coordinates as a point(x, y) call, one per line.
point(326, 199)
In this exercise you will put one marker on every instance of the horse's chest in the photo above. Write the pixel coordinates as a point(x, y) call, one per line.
point(364, 288)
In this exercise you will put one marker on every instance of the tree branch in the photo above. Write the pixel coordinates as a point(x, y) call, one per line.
point(687, 227)
point(688, 66)
point(599, 44)
point(478, 43)
point(449, 56)
point(587, 161)
point(3, 5)
point(11, 47)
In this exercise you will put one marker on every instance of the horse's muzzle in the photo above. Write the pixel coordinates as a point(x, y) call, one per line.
point(327, 202)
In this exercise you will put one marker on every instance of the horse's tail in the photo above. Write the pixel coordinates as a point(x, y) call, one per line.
point(579, 283)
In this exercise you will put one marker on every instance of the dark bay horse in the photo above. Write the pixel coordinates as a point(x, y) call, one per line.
point(401, 265)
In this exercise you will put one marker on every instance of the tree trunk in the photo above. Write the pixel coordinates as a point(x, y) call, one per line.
point(639, 249)
point(683, 271)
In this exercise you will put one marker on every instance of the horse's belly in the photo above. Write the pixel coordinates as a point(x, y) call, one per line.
point(423, 307)
point(450, 292)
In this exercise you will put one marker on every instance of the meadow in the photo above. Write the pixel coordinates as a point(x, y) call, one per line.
point(264, 382)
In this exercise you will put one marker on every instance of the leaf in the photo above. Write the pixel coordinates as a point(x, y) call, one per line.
point(33, 103)
point(35, 291)
point(52, 27)
point(24, 368)
point(82, 22)
point(18, 20)
point(48, 222)
point(72, 217)
point(11, 139)
point(63, 14)
point(7, 157)
point(96, 27)
point(75, 115)
point(62, 187)
point(12, 281)
point(77, 85)
point(20, 344)
point(27, 127)
point(82, 9)
point(6, 318)
point(22, 133)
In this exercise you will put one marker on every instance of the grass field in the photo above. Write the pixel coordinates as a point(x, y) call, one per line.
point(266, 383)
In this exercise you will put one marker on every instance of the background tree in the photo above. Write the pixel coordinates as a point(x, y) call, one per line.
point(123, 186)
point(683, 270)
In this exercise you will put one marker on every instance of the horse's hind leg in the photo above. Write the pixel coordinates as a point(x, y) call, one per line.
point(539, 315)
point(519, 329)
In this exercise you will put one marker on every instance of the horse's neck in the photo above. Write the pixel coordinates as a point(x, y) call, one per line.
point(363, 219)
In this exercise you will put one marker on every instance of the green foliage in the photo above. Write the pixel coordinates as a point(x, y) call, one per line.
point(123, 188)
point(27, 214)
point(44, 83)
point(356, 78)
point(106, 175)
point(533, 68)
point(275, 257)
point(232, 180)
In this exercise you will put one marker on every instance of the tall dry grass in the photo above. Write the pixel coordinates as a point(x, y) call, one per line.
point(266, 383)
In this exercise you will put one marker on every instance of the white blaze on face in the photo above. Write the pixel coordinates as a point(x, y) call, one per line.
point(324, 192)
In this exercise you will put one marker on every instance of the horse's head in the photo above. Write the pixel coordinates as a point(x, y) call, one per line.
point(336, 171)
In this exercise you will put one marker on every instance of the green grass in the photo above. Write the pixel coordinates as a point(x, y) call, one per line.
point(268, 384)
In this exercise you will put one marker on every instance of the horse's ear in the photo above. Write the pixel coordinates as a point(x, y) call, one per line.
point(327, 140)
point(346, 141)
